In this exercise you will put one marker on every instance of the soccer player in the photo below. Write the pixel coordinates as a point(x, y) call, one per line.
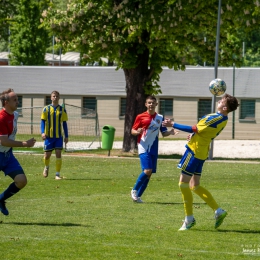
point(53, 118)
point(147, 126)
point(8, 163)
point(196, 153)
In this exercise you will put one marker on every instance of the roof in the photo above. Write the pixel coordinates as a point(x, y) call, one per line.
point(68, 57)
point(4, 56)
point(107, 81)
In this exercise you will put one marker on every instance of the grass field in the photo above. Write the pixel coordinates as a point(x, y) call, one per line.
point(90, 215)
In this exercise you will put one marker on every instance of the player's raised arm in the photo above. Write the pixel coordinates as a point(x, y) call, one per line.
point(184, 128)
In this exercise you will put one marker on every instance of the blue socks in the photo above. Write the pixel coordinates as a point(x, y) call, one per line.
point(9, 192)
point(141, 183)
point(143, 187)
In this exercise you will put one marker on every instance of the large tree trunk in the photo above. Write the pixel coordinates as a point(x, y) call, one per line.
point(135, 99)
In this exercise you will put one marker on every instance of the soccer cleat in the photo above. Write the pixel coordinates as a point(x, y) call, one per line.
point(187, 226)
point(58, 177)
point(3, 208)
point(134, 195)
point(45, 172)
point(139, 200)
point(220, 217)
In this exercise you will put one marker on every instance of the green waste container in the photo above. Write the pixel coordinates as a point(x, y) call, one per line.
point(108, 134)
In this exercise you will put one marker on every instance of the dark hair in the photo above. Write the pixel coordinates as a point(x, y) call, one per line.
point(151, 97)
point(231, 102)
point(4, 96)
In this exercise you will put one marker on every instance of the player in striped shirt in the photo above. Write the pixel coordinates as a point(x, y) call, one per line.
point(146, 127)
point(196, 153)
point(53, 122)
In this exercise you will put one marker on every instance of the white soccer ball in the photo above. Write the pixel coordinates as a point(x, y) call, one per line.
point(217, 87)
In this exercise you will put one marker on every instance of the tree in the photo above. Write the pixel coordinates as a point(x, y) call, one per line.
point(7, 11)
point(28, 41)
point(252, 50)
point(144, 35)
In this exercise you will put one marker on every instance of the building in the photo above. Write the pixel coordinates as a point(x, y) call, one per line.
point(185, 95)
point(67, 59)
point(4, 58)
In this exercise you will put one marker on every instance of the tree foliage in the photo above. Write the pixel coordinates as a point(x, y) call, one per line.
point(144, 35)
point(28, 41)
point(7, 12)
point(252, 50)
point(120, 30)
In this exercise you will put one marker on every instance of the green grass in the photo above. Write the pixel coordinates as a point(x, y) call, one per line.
point(81, 138)
point(90, 215)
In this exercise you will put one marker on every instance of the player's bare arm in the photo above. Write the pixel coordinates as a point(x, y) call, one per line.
point(137, 132)
point(167, 122)
point(5, 141)
point(171, 132)
point(66, 139)
point(44, 136)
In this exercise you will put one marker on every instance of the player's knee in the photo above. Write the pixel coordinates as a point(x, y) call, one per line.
point(148, 172)
point(20, 181)
point(183, 185)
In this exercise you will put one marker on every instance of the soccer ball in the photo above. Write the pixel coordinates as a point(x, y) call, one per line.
point(217, 87)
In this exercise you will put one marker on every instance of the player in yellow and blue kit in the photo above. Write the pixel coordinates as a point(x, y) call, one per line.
point(196, 153)
point(53, 122)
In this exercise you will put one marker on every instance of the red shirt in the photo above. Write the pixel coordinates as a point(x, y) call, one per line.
point(151, 125)
point(8, 126)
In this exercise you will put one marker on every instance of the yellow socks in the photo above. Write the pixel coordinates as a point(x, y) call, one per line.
point(187, 198)
point(206, 196)
point(46, 162)
point(58, 164)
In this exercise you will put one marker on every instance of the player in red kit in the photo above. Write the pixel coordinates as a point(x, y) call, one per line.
point(147, 126)
point(8, 163)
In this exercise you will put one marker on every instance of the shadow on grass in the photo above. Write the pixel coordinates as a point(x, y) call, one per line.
point(82, 179)
point(234, 159)
point(169, 156)
point(171, 203)
point(45, 224)
point(246, 231)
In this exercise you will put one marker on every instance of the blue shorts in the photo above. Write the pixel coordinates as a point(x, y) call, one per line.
point(10, 165)
point(53, 143)
point(148, 161)
point(189, 164)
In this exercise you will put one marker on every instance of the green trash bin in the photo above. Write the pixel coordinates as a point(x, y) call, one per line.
point(108, 134)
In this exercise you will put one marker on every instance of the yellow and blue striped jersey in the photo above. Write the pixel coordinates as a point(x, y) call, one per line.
point(208, 128)
point(53, 117)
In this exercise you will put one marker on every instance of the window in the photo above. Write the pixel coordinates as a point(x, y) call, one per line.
point(122, 107)
point(247, 110)
point(90, 103)
point(20, 106)
point(204, 107)
point(89, 106)
point(48, 100)
point(166, 107)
